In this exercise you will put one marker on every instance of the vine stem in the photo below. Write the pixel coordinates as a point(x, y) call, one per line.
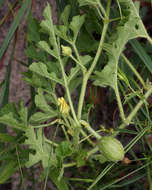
point(70, 100)
point(78, 57)
point(57, 49)
point(102, 9)
point(122, 114)
point(69, 164)
point(78, 62)
point(133, 113)
point(89, 128)
point(88, 139)
point(68, 92)
point(89, 72)
point(51, 142)
point(92, 151)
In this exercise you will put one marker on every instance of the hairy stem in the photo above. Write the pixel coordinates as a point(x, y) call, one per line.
point(133, 113)
point(78, 62)
point(92, 131)
point(122, 115)
point(89, 72)
point(67, 91)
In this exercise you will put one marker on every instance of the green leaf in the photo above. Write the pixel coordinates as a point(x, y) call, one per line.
point(35, 140)
point(53, 66)
point(7, 156)
point(65, 15)
point(35, 80)
point(75, 83)
point(7, 138)
point(87, 2)
point(36, 55)
point(39, 117)
point(85, 43)
point(41, 102)
point(129, 28)
point(9, 120)
point(41, 69)
point(75, 25)
point(47, 25)
point(10, 107)
point(73, 73)
point(93, 23)
point(15, 118)
point(76, 70)
point(64, 149)
point(33, 30)
point(105, 77)
point(7, 170)
point(81, 158)
point(47, 12)
point(62, 31)
point(23, 113)
point(62, 184)
point(85, 59)
point(45, 46)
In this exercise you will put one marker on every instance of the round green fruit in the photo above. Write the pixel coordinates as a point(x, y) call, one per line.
point(111, 148)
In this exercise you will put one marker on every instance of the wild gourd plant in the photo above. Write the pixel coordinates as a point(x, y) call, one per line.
point(66, 56)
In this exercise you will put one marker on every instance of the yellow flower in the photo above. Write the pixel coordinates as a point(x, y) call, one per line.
point(64, 108)
point(66, 51)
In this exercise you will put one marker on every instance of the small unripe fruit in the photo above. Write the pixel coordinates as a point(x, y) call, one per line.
point(111, 148)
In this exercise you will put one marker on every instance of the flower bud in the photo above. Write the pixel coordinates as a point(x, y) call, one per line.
point(66, 51)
